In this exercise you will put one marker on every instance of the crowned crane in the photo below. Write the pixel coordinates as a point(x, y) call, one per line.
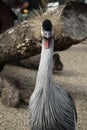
point(50, 107)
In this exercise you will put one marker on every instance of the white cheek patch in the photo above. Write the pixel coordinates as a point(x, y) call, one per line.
point(46, 33)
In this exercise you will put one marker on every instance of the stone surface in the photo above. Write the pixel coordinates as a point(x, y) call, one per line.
point(20, 79)
point(23, 41)
point(10, 93)
point(1, 85)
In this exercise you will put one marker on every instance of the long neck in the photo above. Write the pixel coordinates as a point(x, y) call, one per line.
point(44, 76)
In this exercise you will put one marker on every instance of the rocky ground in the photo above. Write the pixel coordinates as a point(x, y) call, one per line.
point(73, 78)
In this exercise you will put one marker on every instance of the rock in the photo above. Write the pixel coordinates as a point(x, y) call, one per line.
point(57, 64)
point(32, 62)
point(1, 85)
point(25, 95)
point(10, 92)
point(24, 40)
point(25, 78)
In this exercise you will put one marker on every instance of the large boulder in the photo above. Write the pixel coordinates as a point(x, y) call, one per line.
point(24, 40)
point(10, 92)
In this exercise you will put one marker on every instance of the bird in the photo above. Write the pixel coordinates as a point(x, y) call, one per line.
point(50, 106)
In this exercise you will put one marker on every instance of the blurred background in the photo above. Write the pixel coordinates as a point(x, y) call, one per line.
point(14, 11)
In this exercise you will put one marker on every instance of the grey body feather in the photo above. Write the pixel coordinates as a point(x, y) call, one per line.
point(50, 107)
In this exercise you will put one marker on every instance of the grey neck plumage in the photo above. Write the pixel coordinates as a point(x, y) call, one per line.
point(44, 76)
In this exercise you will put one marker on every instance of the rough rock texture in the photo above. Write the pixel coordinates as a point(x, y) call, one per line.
point(22, 41)
point(10, 92)
point(32, 62)
point(21, 80)
point(1, 85)
point(75, 20)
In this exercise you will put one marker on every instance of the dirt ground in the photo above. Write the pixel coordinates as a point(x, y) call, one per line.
point(73, 78)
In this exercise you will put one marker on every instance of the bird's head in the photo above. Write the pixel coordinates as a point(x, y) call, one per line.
point(47, 32)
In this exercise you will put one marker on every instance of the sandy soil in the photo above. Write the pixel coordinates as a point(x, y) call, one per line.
point(73, 78)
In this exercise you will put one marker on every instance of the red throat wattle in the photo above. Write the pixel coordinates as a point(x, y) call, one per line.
point(46, 43)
